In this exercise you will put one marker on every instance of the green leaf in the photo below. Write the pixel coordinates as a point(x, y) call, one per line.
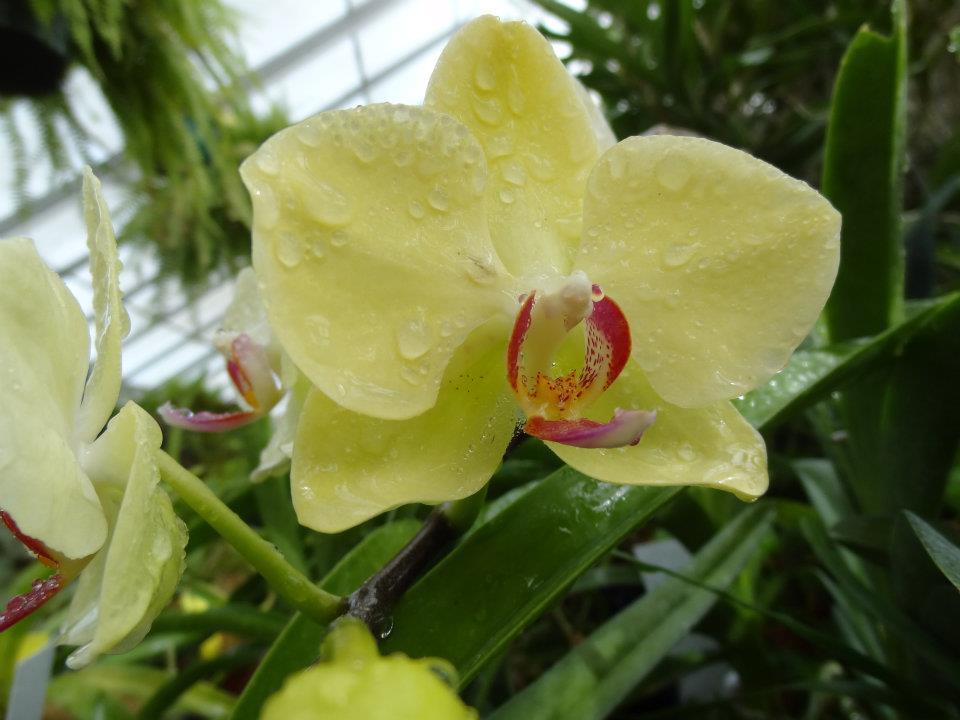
point(944, 551)
point(509, 570)
point(79, 691)
point(592, 679)
point(902, 421)
point(812, 375)
point(299, 644)
point(862, 177)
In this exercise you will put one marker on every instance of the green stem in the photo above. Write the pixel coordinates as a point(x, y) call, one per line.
point(286, 580)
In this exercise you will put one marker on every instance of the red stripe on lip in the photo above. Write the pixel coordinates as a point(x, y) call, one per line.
point(43, 553)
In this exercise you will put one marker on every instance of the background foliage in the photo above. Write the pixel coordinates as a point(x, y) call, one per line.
point(836, 596)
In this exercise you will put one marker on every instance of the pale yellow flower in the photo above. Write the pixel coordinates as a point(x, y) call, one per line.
point(398, 249)
point(85, 502)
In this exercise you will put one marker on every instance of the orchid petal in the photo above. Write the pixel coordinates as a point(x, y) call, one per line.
point(112, 322)
point(711, 446)
point(353, 682)
point(43, 360)
point(503, 81)
point(128, 582)
point(721, 262)
point(246, 312)
point(275, 457)
point(371, 247)
point(349, 467)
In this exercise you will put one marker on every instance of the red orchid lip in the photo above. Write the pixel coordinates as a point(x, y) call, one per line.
point(249, 370)
point(625, 429)
point(41, 591)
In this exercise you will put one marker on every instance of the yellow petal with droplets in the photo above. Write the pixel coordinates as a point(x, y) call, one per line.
point(721, 262)
point(43, 362)
point(503, 81)
point(370, 243)
point(133, 577)
point(112, 322)
point(349, 467)
point(711, 446)
point(353, 682)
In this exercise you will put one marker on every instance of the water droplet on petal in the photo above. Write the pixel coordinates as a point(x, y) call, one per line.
point(328, 206)
point(339, 238)
point(414, 339)
point(416, 209)
point(679, 254)
point(289, 249)
point(686, 452)
point(438, 200)
point(488, 110)
point(513, 173)
point(673, 172)
point(484, 76)
point(507, 196)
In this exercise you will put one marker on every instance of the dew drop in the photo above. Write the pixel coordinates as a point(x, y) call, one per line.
point(414, 339)
point(329, 206)
point(673, 172)
point(268, 162)
point(507, 196)
point(289, 249)
point(364, 151)
point(310, 135)
point(415, 208)
point(488, 110)
point(484, 76)
point(515, 98)
point(513, 173)
point(339, 239)
point(540, 167)
point(686, 452)
point(438, 200)
point(678, 254)
point(265, 206)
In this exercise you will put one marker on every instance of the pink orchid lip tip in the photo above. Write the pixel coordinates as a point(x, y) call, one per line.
point(626, 428)
point(23, 605)
point(204, 421)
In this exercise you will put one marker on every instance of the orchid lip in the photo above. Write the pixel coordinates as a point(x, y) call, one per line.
point(249, 369)
point(554, 404)
point(41, 591)
point(625, 429)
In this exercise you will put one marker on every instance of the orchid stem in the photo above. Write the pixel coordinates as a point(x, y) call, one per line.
point(288, 582)
point(374, 600)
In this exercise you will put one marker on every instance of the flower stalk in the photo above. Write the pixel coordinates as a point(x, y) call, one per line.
point(373, 601)
point(288, 582)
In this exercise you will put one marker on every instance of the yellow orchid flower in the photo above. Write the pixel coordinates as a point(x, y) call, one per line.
point(353, 682)
point(85, 503)
point(432, 269)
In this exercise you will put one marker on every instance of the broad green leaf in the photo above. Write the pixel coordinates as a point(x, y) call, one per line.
point(902, 422)
point(811, 375)
point(509, 570)
point(862, 177)
point(875, 611)
point(944, 551)
point(594, 677)
point(299, 644)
